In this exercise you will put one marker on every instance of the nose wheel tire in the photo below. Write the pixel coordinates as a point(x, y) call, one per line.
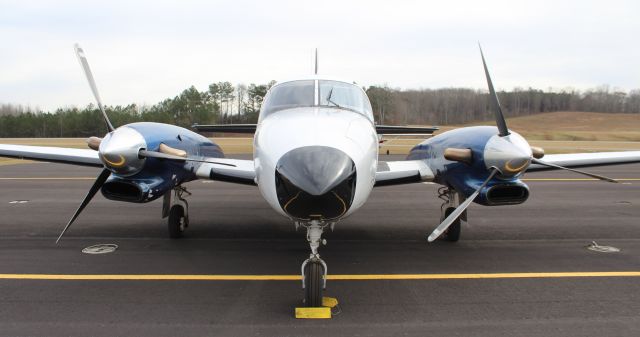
point(178, 222)
point(313, 283)
point(453, 232)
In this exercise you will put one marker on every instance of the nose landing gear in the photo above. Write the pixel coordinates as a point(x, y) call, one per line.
point(314, 269)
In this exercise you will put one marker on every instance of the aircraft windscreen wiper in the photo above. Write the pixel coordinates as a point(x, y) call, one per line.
point(330, 101)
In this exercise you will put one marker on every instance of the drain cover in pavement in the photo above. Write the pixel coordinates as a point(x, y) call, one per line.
point(102, 248)
point(602, 249)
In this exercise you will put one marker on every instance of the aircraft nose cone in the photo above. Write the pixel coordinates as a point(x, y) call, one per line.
point(315, 169)
point(315, 182)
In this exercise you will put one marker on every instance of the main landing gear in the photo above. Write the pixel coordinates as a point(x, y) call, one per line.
point(314, 269)
point(451, 200)
point(177, 209)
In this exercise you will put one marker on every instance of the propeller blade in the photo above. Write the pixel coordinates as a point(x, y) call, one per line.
point(500, 121)
point(92, 192)
point(456, 213)
point(92, 83)
point(593, 175)
point(160, 155)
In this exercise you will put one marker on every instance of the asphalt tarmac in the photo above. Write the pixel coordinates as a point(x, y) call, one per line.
point(234, 232)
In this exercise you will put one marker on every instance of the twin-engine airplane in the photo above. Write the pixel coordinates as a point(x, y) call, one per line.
point(315, 161)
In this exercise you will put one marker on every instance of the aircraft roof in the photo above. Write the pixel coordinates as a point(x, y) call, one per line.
point(316, 77)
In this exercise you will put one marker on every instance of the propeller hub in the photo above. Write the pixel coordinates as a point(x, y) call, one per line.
point(119, 151)
point(511, 154)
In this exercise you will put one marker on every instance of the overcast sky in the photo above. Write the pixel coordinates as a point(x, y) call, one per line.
point(145, 51)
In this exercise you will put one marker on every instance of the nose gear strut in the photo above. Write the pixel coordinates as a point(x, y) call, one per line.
point(314, 269)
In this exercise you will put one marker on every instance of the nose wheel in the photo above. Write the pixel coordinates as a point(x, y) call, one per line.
point(314, 284)
point(314, 269)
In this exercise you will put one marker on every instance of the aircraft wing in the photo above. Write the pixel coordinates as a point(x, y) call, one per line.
point(404, 130)
point(380, 129)
point(242, 173)
point(230, 128)
point(83, 157)
point(402, 172)
point(587, 159)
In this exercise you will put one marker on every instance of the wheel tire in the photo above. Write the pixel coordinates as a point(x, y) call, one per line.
point(177, 222)
point(313, 283)
point(453, 232)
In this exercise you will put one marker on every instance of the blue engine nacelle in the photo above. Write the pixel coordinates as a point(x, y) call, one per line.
point(136, 190)
point(467, 177)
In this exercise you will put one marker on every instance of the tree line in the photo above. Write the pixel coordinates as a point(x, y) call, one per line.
point(460, 105)
point(224, 102)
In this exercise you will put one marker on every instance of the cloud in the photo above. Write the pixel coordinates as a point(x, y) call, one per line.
point(145, 51)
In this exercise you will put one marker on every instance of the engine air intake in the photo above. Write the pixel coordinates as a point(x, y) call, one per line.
point(507, 194)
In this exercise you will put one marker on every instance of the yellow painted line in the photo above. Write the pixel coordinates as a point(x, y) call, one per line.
point(136, 277)
point(343, 277)
point(482, 276)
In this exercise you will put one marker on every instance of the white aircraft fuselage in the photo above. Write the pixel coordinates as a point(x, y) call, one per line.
point(316, 162)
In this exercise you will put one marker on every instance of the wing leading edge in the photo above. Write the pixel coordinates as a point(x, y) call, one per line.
point(242, 173)
point(380, 129)
point(82, 157)
point(414, 171)
point(402, 172)
point(230, 128)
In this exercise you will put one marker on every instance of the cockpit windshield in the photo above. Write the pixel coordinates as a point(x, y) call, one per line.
point(289, 95)
point(343, 95)
point(333, 94)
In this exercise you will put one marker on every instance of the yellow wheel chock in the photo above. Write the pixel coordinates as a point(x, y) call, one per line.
point(322, 312)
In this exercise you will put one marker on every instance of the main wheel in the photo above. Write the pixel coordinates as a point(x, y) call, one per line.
point(177, 222)
point(453, 232)
point(313, 283)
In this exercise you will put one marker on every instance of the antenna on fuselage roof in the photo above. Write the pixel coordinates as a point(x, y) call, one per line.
point(316, 62)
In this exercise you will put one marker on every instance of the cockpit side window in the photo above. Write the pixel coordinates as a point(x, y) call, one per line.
point(289, 95)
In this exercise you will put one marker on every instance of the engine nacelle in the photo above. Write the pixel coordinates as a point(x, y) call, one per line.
point(135, 190)
point(508, 193)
